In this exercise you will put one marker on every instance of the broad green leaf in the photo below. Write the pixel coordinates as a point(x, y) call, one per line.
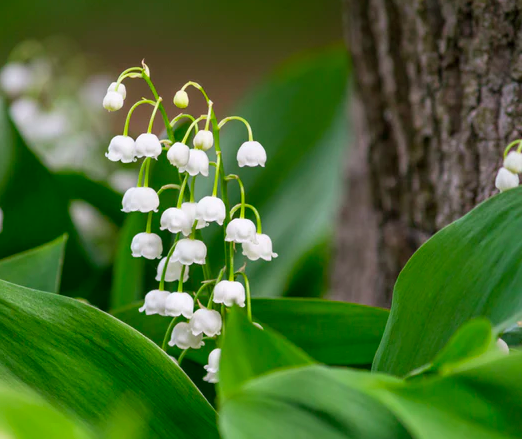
point(249, 351)
point(39, 268)
point(470, 268)
point(335, 333)
point(24, 415)
point(513, 337)
point(89, 363)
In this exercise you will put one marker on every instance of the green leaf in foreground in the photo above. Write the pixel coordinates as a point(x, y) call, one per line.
point(89, 363)
point(471, 268)
point(39, 268)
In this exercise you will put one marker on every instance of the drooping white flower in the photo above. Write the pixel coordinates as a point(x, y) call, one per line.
point(148, 245)
point(213, 361)
point(263, 248)
point(155, 302)
point(206, 321)
point(506, 180)
point(148, 145)
point(204, 140)
point(181, 99)
point(175, 220)
point(503, 346)
point(173, 271)
point(241, 230)
point(122, 148)
point(211, 209)
point(183, 338)
point(178, 154)
point(513, 162)
point(140, 199)
point(251, 154)
point(16, 78)
point(229, 293)
point(112, 101)
point(190, 251)
point(198, 163)
point(211, 378)
point(179, 304)
point(122, 90)
point(190, 210)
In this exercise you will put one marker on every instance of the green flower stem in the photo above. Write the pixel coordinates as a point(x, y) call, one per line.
point(216, 178)
point(182, 192)
point(170, 131)
point(242, 189)
point(192, 189)
point(142, 170)
point(508, 148)
point(168, 186)
point(247, 290)
point(180, 282)
point(231, 262)
point(209, 115)
point(147, 171)
point(253, 209)
point(220, 276)
point(193, 125)
point(181, 356)
point(197, 86)
point(165, 344)
point(129, 114)
point(202, 288)
point(125, 72)
point(167, 260)
point(179, 117)
point(248, 127)
point(149, 222)
point(151, 123)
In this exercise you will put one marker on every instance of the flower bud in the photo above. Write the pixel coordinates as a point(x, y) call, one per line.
point(241, 230)
point(206, 321)
point(198, 163)
point(173, 271)
point(122, 148)
point(175, 220)
point(190, 251)
point(178, 154)
point(503, 346)
point(513, 162)
point(229, 293)
point(190, 210)
point(148, 145)
point(204, 140)
point(16, 78)
point(263, 248)
point(251, 154)
point(183, 338)
point(112, 101)
point(148, 245)
point(121, 89)
point(140, 199)
point(506, 180)
point(211, 209)
point(179, 304)
point(181, 99)
point(155, 302)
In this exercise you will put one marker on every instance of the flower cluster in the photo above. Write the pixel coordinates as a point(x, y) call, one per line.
point(507, 176)
point(192, 322)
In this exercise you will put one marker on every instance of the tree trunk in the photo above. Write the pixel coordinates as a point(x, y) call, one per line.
point(438, 96)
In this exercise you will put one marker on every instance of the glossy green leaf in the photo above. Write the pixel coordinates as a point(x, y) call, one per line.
point(335, 333)
point(249, 351)
point(39, 268)
point(89, 363)
point(470, 268)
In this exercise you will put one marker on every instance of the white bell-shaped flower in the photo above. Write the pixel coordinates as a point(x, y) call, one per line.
point(251, 154)
point(198, 163)
point(190, 251)
point(179, 304)
point(112, 101)
point(206, 321)
point(122, 149)
point(16, 78)
point(190, 210)
point(183, 338)
point(178, 154)
point(506, 180)
point(241, 230)
point(148, 145)
point(513, 162)
point(181, 99)
point(263, 248)
point(122, 90)
point(173, 271)
point(175, 220)
point(148, 245)
point(211, 378)
point(229, 293)
point(213, 361)
point(140, 199)
point(204, 140)
point(503, 346)
point(211, 209)
point(155, 302)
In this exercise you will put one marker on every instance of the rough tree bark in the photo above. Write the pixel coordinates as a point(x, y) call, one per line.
point(438, 96)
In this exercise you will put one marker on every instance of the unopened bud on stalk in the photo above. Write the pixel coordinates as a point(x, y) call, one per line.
point(181, 99)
